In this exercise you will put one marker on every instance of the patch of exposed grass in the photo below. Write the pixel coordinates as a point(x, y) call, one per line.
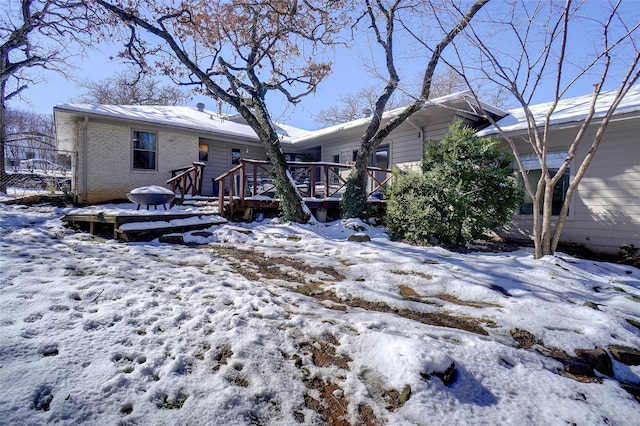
point(634, 323)
point(489, 323)
point(429, 318)
point(408, 293)
point(417, 274)
point(453, 299)
point(176, 404)
point(396, 399)
point(255, 265)
point(310, 289)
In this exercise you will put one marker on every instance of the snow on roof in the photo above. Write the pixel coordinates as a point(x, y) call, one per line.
point(567, 111)
point(210, 122)
point(176, 116)
point(442, 100)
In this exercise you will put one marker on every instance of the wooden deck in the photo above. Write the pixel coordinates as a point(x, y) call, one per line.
point(144, 225)
point(248, 187)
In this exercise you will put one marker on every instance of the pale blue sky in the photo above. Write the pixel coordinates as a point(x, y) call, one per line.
point(349, 74)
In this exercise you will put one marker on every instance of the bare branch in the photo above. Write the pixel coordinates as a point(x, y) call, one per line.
point(545, 57)
point(238, 51)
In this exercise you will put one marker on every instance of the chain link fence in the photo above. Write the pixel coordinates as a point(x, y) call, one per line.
point(38, 170)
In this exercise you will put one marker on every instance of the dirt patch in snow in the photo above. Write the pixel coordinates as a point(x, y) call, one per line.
point(308, 279)
point(326, 396)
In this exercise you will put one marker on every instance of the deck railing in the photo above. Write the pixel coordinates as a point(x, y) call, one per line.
point(252, 178)
point(187, 180)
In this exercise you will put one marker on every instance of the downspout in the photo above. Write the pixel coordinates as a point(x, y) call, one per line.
point(420, 137)
point(419, 129)
point(85, 157)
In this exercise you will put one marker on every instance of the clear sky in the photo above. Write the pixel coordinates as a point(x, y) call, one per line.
point(97, 66)
point(349, 74)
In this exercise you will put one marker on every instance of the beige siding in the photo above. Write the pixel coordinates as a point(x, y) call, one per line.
point(405, 142)
point(342, 145)
point(405, 145)
point(220, 159)
point(605, 210)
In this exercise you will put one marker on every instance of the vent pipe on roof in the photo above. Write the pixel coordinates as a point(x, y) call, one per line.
point(200, 106)
point(367, 112)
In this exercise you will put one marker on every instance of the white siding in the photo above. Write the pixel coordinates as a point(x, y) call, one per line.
point(605, 210)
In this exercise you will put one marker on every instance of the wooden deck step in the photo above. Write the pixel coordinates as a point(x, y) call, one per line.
point(147, 231)
point(144, 226)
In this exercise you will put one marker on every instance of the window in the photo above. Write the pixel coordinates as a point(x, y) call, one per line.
point(235, 155)
point(381, 157)
point(532, 165)
point(336, 170)
point(144, 150)
point(203, 155)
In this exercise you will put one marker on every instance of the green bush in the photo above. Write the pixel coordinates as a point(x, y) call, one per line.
point(466, 188)
point(353, 203)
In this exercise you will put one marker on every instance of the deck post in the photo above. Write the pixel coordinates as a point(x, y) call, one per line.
point(243, 186)
point(325, 170)
point(221, 197)
point(255, 179)
point(232, 185)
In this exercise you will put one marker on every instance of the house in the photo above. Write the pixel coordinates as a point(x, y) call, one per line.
point(604, 213)
point(118, 148)
point(121, 147)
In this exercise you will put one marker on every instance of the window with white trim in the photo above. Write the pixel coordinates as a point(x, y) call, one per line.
point(144, 150)
point(532, 167)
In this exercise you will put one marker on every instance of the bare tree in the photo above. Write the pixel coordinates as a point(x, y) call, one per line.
point(29, 135)
point(239, 52)
point(543, 55)
point(130, 87)
point(35, 34)
point(382, 17)
point(353, 105)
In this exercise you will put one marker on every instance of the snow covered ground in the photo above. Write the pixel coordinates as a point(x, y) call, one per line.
point(276, 324)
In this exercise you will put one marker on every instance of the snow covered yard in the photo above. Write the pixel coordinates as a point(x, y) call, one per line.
point(275, 324)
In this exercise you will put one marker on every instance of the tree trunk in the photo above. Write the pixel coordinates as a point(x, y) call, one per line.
point(546, 231)
point(354, 200)
point(292, 206)
point(3, 138)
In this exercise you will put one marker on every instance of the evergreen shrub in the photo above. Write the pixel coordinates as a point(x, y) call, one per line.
point(466, 187)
